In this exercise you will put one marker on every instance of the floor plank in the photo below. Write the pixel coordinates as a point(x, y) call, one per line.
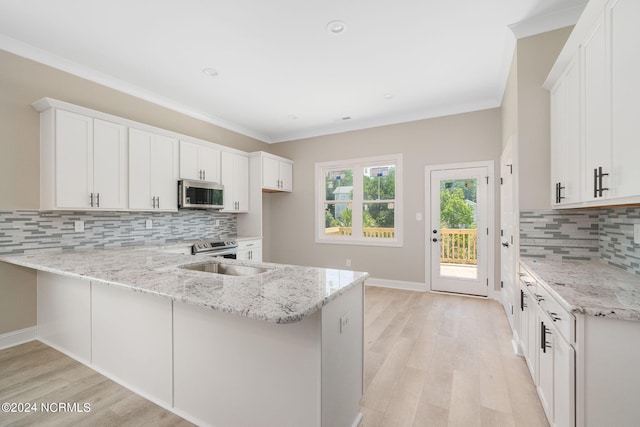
point(443, 360)
point(430, 360)
point(36, 373)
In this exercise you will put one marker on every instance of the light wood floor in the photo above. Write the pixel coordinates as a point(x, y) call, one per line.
point(430, 360)
point(442, 360)
point(34, 372)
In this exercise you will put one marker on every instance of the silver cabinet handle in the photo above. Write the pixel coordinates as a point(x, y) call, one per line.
point(554, 316)
point(98, 200)
point(153, 202)
point(158, 198)
point(91, 199)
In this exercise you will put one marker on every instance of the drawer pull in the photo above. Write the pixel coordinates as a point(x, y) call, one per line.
point(554, 316)
point(539, 297)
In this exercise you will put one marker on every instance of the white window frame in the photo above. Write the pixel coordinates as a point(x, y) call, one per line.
point(358, 165)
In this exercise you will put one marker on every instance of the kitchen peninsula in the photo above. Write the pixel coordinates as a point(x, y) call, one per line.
point(279, 348)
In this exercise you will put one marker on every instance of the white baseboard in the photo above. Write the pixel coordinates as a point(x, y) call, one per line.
point(357, 420)
point(396, 284)
point(11, 339)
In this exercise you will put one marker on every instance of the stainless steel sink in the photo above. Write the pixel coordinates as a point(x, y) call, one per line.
point(222, 268)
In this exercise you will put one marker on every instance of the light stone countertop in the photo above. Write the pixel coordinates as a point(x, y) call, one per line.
point(284, 294)
point(591, 288)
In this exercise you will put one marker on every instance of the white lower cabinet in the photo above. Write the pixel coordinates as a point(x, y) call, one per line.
point(131, 340)
point(64, 314)
point(546, 337)
point(250, 250)
point(211, 367)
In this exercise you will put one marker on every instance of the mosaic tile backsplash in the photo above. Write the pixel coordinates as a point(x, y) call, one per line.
point(616, 238)
point(30, 231)
point(594, 234)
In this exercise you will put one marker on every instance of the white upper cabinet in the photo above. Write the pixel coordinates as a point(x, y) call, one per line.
point(597, 113)
point(277, 173)
point(153, 177)
point(83, 162)
point(235, 179)
point(565, 137)
point(623, 18)
point(606, 41)
point(199, 162)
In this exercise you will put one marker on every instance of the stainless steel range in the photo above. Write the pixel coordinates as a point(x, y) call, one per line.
point(222, 248)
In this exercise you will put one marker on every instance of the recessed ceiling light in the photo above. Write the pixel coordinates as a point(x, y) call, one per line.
point(336, 27)
point(346, 118)
point(211, 72)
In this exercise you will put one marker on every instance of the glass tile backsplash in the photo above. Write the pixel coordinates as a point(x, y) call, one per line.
point(27, 231)
point(591, 234)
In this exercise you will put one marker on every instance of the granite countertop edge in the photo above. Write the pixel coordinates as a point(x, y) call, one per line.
point(580, 299)
point(306, 309)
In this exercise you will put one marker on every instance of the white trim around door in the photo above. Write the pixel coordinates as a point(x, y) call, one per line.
point(485, 274)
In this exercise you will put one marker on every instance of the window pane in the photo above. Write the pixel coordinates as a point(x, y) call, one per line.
point(378, 220)
point(338, 184)
point(337, 219)
point(380, 182)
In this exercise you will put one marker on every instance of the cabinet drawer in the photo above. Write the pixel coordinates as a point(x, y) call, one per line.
point(562, 320)
point(249, 244)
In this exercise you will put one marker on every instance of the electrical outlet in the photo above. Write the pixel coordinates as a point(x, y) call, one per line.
point(148, 224)
point(636, 234)
point(348, 262)
point(217, 223)
point(78, 226)
point(345, 321)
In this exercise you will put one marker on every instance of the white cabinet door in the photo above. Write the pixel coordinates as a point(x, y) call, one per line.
point(90, 163)
point(189, 165)
point(625, 94)
point(109, 165)
point(164, 179)
point(597, 114)
point(286, 176)
point(565, 137)
point(545, 365)
point(209, 160)
point(523, 331)
point(242, 183)
point(235, 178)
point(199, 163)
point(152, 175)
point(74, 160)
point(277, 175)
point(270, 173)
point(139, 170)
point(250, 250)
point(557, 108)
point(563, 383)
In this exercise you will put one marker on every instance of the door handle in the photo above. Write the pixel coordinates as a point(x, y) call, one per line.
point(435, 239)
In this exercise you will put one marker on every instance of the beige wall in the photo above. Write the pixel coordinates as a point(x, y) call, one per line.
point(535, 57)
point(21, 83)
point(460, 138)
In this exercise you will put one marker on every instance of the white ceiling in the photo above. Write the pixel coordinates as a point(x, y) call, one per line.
point(281, 74)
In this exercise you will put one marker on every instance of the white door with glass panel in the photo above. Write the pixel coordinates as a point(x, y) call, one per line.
point(458, 233)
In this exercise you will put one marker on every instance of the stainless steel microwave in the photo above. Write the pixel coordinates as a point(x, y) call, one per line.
point(200, 194)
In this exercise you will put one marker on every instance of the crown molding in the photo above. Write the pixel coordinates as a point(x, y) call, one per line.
point(547, 22)
point(36, 54)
